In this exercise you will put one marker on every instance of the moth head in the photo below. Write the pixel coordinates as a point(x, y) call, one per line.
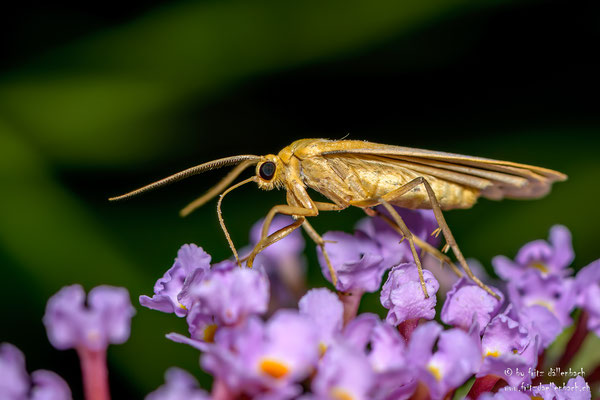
point(268, 172)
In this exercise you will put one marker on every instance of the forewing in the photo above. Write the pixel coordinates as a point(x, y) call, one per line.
point(494, 178)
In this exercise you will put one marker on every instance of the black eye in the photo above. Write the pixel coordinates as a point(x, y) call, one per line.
point(267, 170)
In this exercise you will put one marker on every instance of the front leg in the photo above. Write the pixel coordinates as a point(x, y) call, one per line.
point(297, 212)
point(321, 206)
point(273, 238)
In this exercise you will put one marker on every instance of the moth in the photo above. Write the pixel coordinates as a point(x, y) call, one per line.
point(364, 174)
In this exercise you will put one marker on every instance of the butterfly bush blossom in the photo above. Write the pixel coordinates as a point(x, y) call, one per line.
point(17, 384)
point(179, 384)
point(89, 329)
point(323, 348)
point(262, 335)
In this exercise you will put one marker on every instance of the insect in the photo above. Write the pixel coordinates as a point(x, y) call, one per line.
point(364, 174)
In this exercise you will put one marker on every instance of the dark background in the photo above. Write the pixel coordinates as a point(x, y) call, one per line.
point(97, 99)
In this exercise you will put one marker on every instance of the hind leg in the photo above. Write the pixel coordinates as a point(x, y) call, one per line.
point(439, 216)
point(426, 247)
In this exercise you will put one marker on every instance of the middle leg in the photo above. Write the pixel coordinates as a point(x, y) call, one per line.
point(321, 243)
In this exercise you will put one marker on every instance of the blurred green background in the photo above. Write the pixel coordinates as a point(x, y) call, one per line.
point(97, 99)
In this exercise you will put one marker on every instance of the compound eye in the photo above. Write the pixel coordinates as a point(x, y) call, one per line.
point(267, 170)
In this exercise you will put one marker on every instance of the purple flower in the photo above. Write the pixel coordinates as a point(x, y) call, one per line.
point(232, 356)
point(326, 311)
point(106, 319)
point(503, 394)
point(259, 357)
point(224, 296)
point(283, 261)
point(576, 389)
point(201, 326)
point(421, 223)
point(403, 296)
point(548, 259)
point(232, 295)
point(280, 252)
point(386, 352)
point(466, 301)
point(507, 346)
point(358, 331)
point(15, 383)
point(191, 261)
point(179, 384)
point(49, 386)
point(543, 304)
point(587, 287)
point(457, 357)
point(344, 373)
point(356, 260)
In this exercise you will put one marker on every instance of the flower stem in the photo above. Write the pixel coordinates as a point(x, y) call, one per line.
point(482, 385)
point(450, 394)
point(421, 393)
point(594, 376)
point(293, 277)
point(351, 301)
point(94, 373)
point(576, 340)
point(407, 327)
point(220, 391)
point(539, 366)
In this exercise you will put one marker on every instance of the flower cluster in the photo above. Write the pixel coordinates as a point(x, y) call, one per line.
point(323, 349)
point(105, 319)
point(263, 336)
point(16, 384)
point(72, 322)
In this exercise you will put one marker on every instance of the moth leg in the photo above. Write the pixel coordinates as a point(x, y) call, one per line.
point(272, 238)
point(283, 232)
point(411, 241)
point(296, 212)
point(321, 243)
point(321, 206)
point(418, 241)
point(439, 216)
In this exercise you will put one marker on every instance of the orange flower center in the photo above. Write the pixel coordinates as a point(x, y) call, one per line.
point(273, 368)
point(340, 394)
point(322, 349)
point(435, 371)
point(209, 333)
point(494, 353)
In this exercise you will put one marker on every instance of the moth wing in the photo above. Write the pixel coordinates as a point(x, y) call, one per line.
point(495, 179)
